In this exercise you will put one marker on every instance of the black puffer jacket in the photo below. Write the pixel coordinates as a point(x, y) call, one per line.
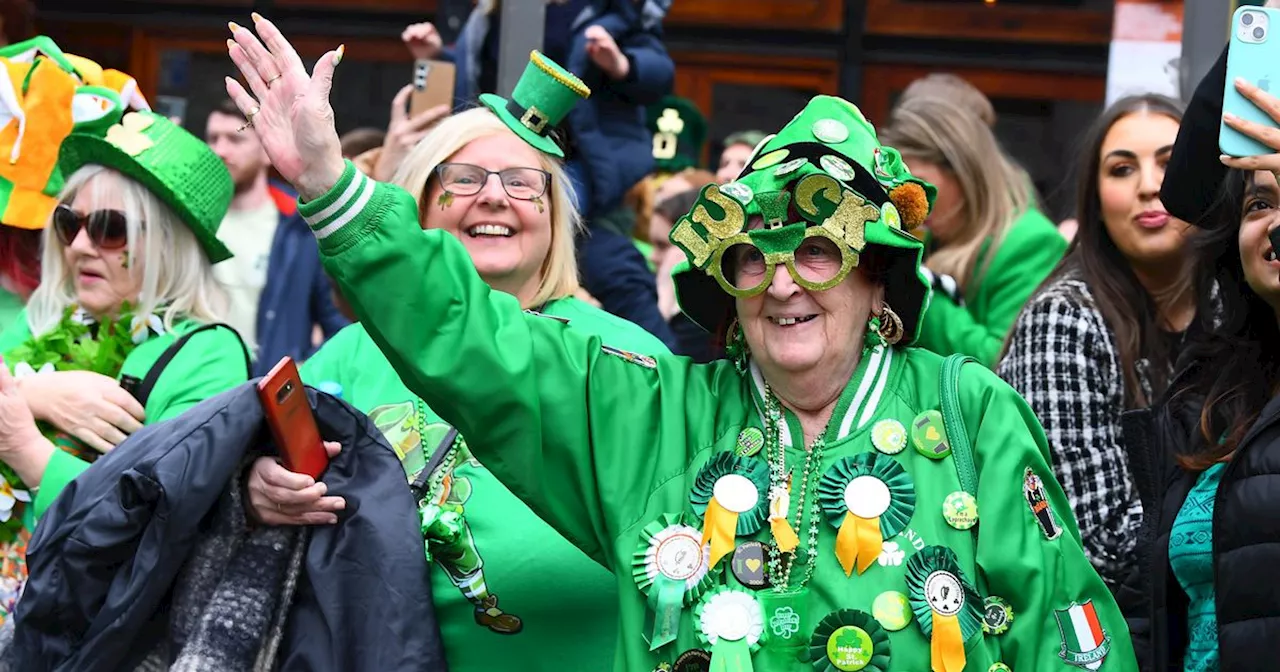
point(106, 557)
point(1246, 534)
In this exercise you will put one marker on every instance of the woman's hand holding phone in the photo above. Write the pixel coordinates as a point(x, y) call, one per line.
point(1265, 134)
point(277, 496)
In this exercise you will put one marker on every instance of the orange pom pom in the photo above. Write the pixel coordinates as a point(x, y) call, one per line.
point(912, 204)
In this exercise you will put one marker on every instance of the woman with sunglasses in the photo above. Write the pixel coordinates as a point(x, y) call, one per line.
point(503, 579)
point(126, 294)
point(734, 500)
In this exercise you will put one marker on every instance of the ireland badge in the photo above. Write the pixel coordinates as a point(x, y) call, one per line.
point(1084, 642)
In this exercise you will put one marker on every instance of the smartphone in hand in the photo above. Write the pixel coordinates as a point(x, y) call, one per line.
point(1253, 55)
point(432, 85)
point(293, 426)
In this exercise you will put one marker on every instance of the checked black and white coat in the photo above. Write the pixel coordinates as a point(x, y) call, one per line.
point(1063, 360)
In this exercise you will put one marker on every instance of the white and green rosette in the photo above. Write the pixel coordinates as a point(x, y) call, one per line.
point(869, 498)
point(671, 566)
point(936, 586)
point(731, 621)
point(849, 640)
point(728, 464)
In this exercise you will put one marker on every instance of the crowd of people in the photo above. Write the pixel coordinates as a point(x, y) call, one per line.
point(849, 401)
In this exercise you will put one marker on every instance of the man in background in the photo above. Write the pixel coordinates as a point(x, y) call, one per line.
point(279, 292)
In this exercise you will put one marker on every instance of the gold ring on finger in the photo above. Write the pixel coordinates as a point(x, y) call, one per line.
point(272, 80)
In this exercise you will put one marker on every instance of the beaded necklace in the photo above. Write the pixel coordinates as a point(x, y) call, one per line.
point(776, 455)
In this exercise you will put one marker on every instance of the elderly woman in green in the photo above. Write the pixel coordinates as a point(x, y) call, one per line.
point(734, 501)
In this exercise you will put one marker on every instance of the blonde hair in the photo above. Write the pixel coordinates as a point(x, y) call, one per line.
point(996, 191)
point(946, 86)
point(177, 277)
point(560, 269)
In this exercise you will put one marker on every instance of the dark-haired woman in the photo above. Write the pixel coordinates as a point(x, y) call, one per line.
point(1102, 334)
point(1213, 469)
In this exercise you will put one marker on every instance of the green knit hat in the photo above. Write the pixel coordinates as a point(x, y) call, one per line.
point(176, 166)
point(823, 178)
point(541, 100)
point(679, 132)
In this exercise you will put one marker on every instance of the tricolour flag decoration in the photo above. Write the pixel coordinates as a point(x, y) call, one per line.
point(1084, 642)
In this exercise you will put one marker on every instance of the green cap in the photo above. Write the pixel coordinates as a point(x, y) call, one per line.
point(679, 132)
point(541, 100)
point(824, 173)
point(176, 166)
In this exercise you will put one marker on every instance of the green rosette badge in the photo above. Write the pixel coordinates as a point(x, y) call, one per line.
point(731, 621)
point(868, 498)
point(946, 605)
point(671, 566)
point(729, 494)
point(847, 641)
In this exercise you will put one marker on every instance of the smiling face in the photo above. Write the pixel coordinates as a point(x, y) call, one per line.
point(793, 330)
point(1132, 159)
point(508, 239)
point(102, 279)
point(1257, 256)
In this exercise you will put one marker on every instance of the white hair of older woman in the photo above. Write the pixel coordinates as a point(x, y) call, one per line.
point(177, 278)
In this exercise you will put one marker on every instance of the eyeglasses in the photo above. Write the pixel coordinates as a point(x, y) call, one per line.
point(818, 262)
point(108, 229)
point(464, 179)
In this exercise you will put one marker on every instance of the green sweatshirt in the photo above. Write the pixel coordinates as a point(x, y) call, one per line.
point(209, 364)
point(1030, 251)
point(602, 445)
point(10, 308)
point(504, 593)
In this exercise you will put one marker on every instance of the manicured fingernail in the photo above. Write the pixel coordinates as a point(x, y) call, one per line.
point(340, 505)
point(1229, 117)
point(1223, 158)
point(337, 55)
point(230, 43)
point(256, 17)
point(233, 26)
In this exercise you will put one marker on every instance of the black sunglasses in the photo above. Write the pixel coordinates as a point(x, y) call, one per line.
point(108, 229)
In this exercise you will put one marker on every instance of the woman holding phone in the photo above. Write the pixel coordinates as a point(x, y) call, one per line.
point(503, 579)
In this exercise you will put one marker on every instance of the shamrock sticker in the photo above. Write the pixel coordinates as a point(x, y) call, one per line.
point(891, 555)
point(127, 135)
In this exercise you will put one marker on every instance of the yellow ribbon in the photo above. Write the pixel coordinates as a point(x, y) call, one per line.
point(720, 526)
point(946, 648)
point(858, 542)
point(783, 534)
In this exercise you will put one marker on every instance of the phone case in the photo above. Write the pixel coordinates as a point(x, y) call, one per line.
point(1258, 63)
point(432, 85)
point(293, 426)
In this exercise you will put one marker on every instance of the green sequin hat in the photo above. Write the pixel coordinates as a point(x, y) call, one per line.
point(541, 100)
point(823, 181)
point(679, 132)
point(176, 166)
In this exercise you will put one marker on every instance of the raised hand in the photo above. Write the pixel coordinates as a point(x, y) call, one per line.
point(604, 52)
point(287, 108)
point(1267, 135)
point(422, 40)
point(403, 132)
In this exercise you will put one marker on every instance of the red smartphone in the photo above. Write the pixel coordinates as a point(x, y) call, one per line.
point(293, 426)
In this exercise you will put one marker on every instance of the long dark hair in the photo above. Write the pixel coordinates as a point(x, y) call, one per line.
point(1233, 363)
point(1126, 306)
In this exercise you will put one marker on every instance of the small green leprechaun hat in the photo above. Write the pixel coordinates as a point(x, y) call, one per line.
point(679, 132)
point(542, 98)
point(171, 163)
point(824, 180)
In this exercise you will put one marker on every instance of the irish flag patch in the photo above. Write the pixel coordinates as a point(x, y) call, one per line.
point(1084, 642)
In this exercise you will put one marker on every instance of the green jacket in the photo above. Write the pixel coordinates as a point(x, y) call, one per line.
point(506, 557)
point(10, 308)
point(1030, 251)
point(601, 444)
point(210, 363)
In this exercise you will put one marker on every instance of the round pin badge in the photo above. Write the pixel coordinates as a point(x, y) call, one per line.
point(892, 609)
point(849, 648)
point(837, 167)
point(736, 493)
point(890, 216)
point(771, 159)
point(693, 660)
point(867, 497)
point(738, 192)
point(789, 167)
point(960, 510)
point(999, 667)
point(930, 436)
point(680, 556)
point(748, 565)
point(889, 436)
point(996, 616)
point(750, 441)
point(830, 131)
point(944, 593)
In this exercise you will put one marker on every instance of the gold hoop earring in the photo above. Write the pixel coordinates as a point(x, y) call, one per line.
point(890, 326)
